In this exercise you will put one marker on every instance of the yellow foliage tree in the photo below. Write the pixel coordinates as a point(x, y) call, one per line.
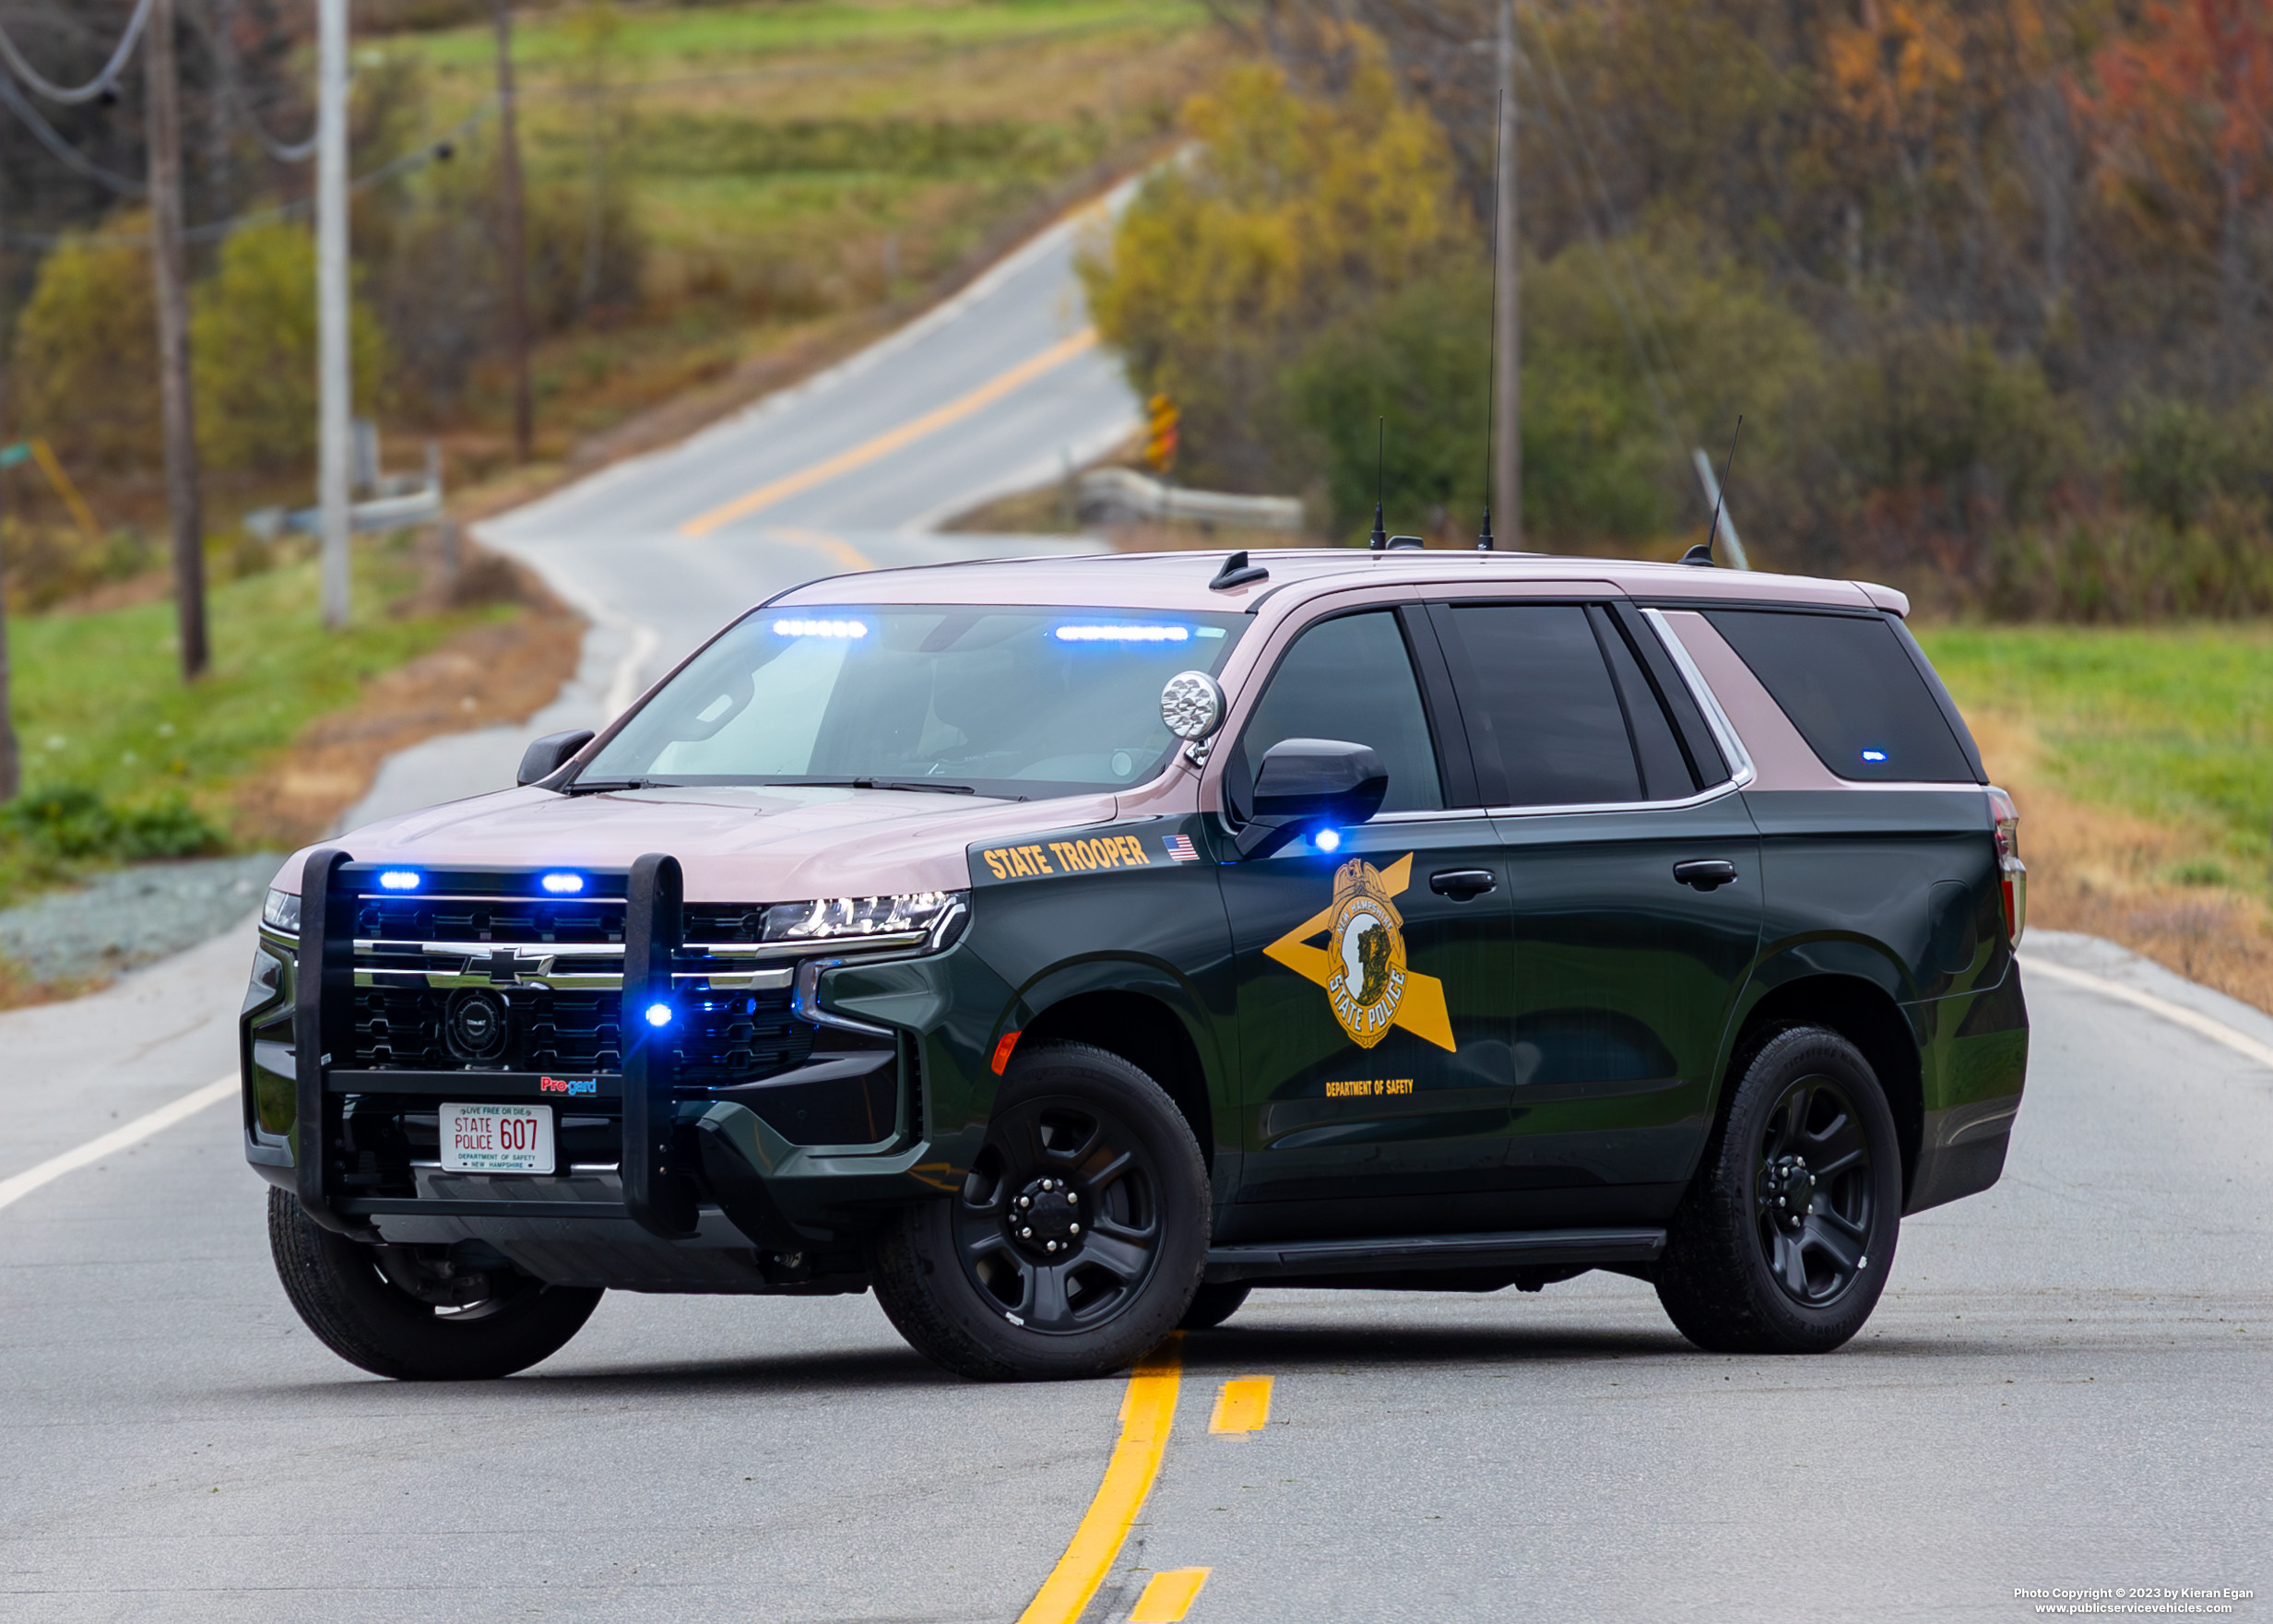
point(253, 351)
point(1295, 208)
point(86, 353)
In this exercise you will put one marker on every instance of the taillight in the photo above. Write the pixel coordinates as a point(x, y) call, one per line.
point(2012, 873)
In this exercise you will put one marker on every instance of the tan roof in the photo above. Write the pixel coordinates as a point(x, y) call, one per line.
point(1179, 581)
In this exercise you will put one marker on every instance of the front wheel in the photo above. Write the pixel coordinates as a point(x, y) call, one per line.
point(1076, 1240)
point(399, 1311)
point(1783, 1241)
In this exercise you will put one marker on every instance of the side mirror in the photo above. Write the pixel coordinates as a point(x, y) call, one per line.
point(1307, 782)
point(548, 756)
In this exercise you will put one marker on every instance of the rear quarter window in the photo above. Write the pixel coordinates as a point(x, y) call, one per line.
point(1854, 692)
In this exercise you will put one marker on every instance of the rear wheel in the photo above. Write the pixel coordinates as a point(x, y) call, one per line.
point(409, 1313)
point(1783, 1241)
point(1076, 1240)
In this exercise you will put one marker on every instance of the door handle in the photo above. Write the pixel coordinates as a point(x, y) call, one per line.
point(1707, 873)
point(1461, 885)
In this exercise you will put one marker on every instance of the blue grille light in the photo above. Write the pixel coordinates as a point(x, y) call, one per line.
point(658, 1014)
point(398, 880)
point(1327, 840)
point(1874, 756)
point(1123, 634)
point(563, 884)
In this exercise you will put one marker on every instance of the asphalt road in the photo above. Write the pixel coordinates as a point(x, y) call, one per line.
point(2064, 1387)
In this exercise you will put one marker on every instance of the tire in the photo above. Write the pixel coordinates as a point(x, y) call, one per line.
point(464, 1326)
point(971, 1279)
point(1784, 1239)
point(1212, 1305)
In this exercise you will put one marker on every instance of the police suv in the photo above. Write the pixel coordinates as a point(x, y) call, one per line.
point(1065, 948)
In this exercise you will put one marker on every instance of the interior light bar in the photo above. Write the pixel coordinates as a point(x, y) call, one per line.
point(820, 629)
point(1155, 633)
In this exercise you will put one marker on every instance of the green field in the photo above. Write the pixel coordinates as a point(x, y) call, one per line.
point(2173, 724)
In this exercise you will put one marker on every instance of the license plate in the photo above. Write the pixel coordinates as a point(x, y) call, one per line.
point(496, 1138)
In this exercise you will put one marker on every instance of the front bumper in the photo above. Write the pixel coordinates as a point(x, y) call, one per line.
point(765, 1184)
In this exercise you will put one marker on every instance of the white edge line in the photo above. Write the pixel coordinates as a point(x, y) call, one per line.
point(2215, 1030)
point(15, 1188)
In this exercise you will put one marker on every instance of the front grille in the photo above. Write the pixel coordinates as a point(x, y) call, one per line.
point(535, 1009)
point(722, 1037)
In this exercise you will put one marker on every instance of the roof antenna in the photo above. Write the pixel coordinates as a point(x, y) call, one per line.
point(1701, 554)
point(1378, 540)
point(1491, 367)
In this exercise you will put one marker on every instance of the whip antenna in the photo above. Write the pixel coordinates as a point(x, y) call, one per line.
point(1491, 366)
point(1378, 540)
point(1702, 552)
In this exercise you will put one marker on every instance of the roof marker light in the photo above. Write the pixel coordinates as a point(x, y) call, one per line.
point(820, 629)
point(1143, 633)
point(1874, 756)
point(563, 884)
point(1327, 840)
point(398, 880)
point(658, 1014)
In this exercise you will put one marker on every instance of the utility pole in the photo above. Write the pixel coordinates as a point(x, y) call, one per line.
point(335, 384)
point(1508, 340)
point(163, 113)
point(515, 247)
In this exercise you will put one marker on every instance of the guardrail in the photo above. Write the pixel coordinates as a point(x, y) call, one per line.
point(1106, 496)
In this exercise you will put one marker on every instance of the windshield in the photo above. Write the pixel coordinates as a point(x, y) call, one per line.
point(1011, 702)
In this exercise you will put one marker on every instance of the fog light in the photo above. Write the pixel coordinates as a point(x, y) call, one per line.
point(1327, 840)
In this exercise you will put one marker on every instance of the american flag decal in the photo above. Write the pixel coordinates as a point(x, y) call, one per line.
point(1180, 847)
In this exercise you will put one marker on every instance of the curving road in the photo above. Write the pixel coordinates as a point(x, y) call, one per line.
point(2064, 1388)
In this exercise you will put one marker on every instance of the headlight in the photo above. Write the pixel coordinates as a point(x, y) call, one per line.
point(841, 919)
point(281, 911)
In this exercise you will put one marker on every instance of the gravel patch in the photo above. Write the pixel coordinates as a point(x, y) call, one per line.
point(132, 917)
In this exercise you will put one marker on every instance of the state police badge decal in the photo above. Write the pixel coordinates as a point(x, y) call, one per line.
point(1367, 941)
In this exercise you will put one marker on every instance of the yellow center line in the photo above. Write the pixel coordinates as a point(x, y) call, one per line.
point(891, 440)
point(1168, 1595)
point(1243, 1405)
point(1147, 1412)
point(836, 547)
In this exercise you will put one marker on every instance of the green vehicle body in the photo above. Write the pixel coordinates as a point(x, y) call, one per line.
point(1518, 1085)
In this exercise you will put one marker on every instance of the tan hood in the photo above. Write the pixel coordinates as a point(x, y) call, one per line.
point(735, 844)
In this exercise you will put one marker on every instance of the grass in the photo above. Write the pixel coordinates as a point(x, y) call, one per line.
point(2171, 724)
point(2141, 763)
point(100, 704)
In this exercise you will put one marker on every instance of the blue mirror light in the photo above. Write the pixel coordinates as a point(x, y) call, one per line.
point(1874, 756)
point(658, 1014)
point(398, 880)
point(563, 884)
point(1327, 839)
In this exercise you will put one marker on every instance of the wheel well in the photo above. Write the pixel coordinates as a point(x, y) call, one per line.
point(1865, 1017)
point(1147, 1034)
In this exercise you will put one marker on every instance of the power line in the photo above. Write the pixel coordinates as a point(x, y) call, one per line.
point(40, 84)
point(55, 141)
point(225, 62)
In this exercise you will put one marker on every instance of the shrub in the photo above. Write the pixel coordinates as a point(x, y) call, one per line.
point(71, 821)
point(85, 350)
point(253, 350)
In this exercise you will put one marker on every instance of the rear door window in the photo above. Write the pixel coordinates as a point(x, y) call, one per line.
point(1852, 691)
point(1543, 718)
point(1349, 679)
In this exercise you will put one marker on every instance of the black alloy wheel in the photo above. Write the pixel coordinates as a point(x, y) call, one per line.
point(1074, 1243)
point(1059, 1221)
point(1815, 1193)
point(1783, 1241)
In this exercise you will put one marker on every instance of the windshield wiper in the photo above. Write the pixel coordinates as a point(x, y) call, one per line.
point(605, 786)
point(932, 784)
